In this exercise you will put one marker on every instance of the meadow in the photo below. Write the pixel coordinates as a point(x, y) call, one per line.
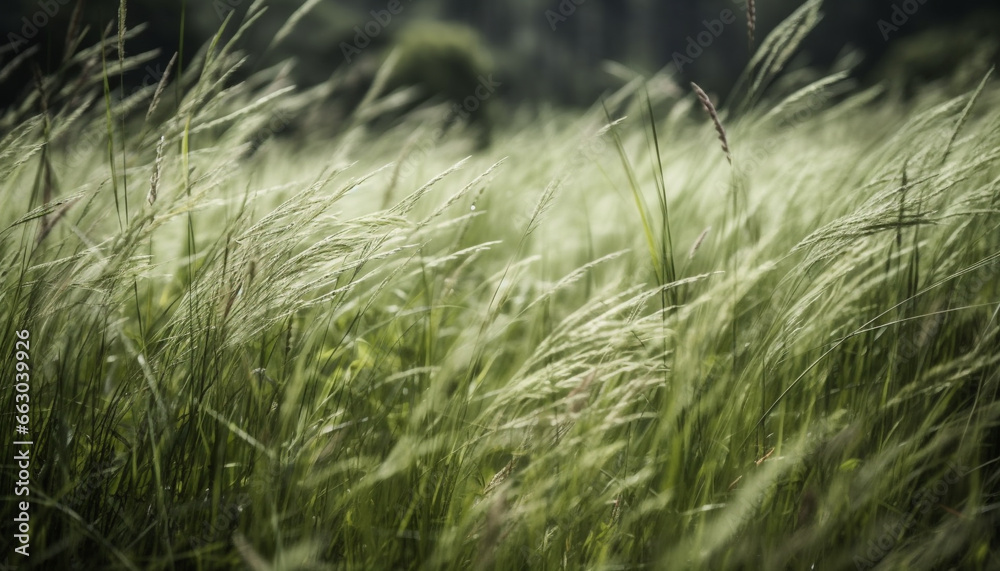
point(674, 331)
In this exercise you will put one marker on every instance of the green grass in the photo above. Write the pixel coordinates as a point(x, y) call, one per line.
point(518, 364)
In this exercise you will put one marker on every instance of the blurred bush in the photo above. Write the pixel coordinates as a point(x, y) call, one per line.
point(953, 56)
point(544, 50)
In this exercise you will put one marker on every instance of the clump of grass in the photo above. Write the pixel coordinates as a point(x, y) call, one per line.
point(265, 367)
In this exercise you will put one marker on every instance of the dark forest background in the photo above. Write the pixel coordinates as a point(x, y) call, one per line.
point(535, 61)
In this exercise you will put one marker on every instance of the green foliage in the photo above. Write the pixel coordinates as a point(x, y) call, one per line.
point(447, 58)
point(954, 56)
point(789, 361)
point(444, 62)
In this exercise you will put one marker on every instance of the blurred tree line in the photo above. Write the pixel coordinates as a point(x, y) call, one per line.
point(543, 50)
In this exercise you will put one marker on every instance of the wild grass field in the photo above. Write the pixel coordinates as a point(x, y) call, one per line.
point(760, 333)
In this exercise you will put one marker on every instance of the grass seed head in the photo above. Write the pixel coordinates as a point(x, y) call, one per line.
point(714, 115)
point(697, 243)
point(154, 179)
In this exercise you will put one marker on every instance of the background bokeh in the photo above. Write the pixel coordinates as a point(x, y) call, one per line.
point(537, 62)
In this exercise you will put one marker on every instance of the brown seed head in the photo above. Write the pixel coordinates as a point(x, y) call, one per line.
point(714, 115)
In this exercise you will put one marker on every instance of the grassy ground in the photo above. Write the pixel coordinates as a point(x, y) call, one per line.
point(586, 346)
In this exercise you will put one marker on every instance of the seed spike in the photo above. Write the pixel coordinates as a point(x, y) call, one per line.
point(714, 115)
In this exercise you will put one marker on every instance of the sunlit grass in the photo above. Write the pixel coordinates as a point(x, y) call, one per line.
point(788, 361)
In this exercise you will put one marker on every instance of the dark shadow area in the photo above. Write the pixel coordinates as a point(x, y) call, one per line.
point(544, 50)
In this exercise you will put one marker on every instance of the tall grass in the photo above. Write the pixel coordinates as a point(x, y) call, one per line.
point(509, 367)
